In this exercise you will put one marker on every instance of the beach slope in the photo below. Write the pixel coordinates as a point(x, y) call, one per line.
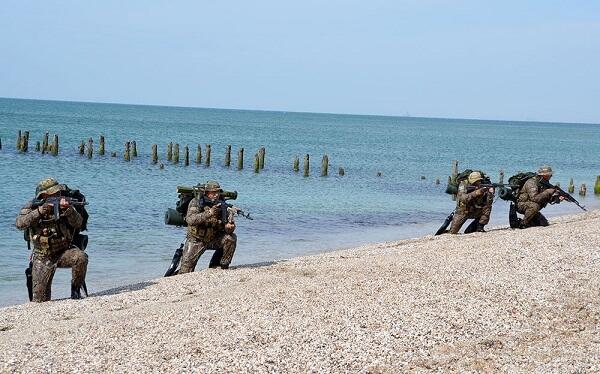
point(507, 300)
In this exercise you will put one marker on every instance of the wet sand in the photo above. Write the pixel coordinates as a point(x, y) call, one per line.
point(503, 301)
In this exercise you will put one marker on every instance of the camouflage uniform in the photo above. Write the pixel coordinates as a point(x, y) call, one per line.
point(471, 205)
point(207, 231)
point(52, 248)
point(530, 200)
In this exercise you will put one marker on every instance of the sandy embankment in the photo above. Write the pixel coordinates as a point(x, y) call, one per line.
point(516, 301)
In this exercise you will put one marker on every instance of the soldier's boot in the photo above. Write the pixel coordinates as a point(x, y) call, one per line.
point(229, 244)
point(480, 227)
point(75, 292)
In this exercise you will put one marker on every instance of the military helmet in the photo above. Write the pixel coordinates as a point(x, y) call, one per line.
point(48, 186)
point(474, 177)
point(545, 170)
point(212, 186)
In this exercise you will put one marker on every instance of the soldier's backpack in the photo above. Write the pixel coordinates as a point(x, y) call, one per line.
point(518, 180)
point(452, 188)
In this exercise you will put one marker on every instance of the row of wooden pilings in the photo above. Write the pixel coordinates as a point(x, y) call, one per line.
point(570, 187)
point(172, 153)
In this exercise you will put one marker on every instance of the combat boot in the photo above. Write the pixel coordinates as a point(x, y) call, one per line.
point(75, 293)
point(480, 228)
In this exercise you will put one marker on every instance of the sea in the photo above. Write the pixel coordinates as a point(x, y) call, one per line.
point(388, 191)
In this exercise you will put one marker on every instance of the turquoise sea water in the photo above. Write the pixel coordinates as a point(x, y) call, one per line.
point(293, 215)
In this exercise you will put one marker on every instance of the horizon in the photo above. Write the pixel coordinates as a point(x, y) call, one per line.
point(299, 112)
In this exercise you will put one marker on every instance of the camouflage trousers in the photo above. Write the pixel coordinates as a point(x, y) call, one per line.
point(531, 214)
point(44, 267)
point(461, 215)
point(224, 246)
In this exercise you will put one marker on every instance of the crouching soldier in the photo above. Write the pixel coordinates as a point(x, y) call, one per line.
point(210, 225)
point(52, 221)
point(473, 201)
point(533, 197)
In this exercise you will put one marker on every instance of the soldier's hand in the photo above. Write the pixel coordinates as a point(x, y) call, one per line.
point(552, 191)
point(46, 208)
point(491, 190)
point(214, 210)
point(64, 204)
point(229, 227)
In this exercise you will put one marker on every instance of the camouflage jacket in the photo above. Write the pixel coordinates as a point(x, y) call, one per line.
point(533, 192)
point(470, 200)
point(48, 236)
point(202, 225)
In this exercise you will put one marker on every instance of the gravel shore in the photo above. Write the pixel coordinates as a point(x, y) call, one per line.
point(504, 301)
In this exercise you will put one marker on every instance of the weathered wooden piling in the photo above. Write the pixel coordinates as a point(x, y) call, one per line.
point(199, 155)
point(454, 175)
point(228, 156)
point(501, 177)
point(161, 166)
point(102, 147)
point(596, 186)
point(176, 154)
point(240, 160)
point(324, 166)
point(256, 163)
point(571, 187)
point(437, 180)
point(90, 148)
point(296, 163)
point(341, 172)
point(127, 155)
point(186, 156)
point(154, 154)
point(307, 165)
point(582, 190)
point(55, 145)
point(170, 151)
point(45, 145)
point(207, 160)
point(38, 146)
point(19, 136)
point(25, 145)
point(379, 174)
point(261, 157)
point(423, 177)
point(0, 144)
point(134, 149)
point(81, 148)
point(113, 154)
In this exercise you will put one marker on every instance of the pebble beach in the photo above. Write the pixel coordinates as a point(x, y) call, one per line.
point(517, 301)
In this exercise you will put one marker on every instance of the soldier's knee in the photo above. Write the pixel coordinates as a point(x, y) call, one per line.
point(230, 239)
point(80, 257)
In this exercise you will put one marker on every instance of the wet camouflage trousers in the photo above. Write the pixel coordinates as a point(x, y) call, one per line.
point(461, 215)
point(224, 246)
point(44, 267)
point(532, 216)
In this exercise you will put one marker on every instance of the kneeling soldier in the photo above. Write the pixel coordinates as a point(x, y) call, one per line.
point(51, 229)
point(210, 226)
point(533, 197)
point(472, 202)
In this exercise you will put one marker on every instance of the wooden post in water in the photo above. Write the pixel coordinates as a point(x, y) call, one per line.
point(134, 150)
point(571, 187)
point(437, 180)
point(0, 144)
point(501, 177)
point(306, 165)
point(454, 174)
point(55, 145)
point(102, 146)
point(45, 143)
point(154, 154)
point(199, 154)
point(596, 186)
point(256, 163)
point(90, 148)
point(261, 158)
point(186, 156)
point(127, 151)
point(113, 154)
point(19, 140)
point(228, 156)
point(582, 190)
point(38, 146)
point(341, 172)
point(25, 142)
point(207, 161)
point(176, 154)
point(240, 161)
point(170, 151)
point(325, 166)
point(296, 163)
point(81, 148)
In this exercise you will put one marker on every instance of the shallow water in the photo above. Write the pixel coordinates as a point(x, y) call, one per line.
point(293, 215)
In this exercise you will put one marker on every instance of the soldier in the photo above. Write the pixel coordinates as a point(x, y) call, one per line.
point(210, 226)
point(473, 202)
point(532, 198)
point(52, 240)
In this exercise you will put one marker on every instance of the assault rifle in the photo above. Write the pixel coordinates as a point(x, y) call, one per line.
point(561, 193)
point(486, 185)
point(55, 202)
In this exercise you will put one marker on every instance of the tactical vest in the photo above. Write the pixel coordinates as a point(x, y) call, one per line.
point(49, 237)
point(206, 233)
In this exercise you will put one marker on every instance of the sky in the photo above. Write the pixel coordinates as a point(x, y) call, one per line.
point(516, 60)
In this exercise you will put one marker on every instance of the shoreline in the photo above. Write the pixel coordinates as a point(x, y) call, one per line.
point(506, 300)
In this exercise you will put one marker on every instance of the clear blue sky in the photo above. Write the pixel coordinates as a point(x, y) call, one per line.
point(522, 60)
